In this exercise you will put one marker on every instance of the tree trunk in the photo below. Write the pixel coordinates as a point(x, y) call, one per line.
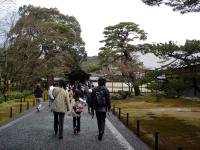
point(137, 90)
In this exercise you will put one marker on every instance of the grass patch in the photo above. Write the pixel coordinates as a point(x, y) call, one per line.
point(176, 128)
point(15, 104)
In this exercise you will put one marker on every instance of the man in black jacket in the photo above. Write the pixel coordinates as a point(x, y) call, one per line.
point(100, 102)
point(38, 96)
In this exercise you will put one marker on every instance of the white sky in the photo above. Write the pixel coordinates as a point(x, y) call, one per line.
point(161, 23)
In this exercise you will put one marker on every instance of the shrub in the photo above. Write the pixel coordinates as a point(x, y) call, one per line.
point(175, 88)
point(1, 99)
point(17, 94)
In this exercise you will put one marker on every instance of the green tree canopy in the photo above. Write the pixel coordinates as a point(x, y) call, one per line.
point(119, 41)
point(184, 6)
point(120, 51)
point(177, 55)
point(43, 42)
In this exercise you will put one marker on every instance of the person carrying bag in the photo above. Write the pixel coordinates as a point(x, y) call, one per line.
point(59, 106)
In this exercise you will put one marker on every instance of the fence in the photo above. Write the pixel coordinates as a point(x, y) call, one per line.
point(18, 106)
point(136, 126)
point(122, 86)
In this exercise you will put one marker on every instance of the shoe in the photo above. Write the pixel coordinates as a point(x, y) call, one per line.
point(60, 137)
point(78, 131)
point(55, 133)
point(100, 136)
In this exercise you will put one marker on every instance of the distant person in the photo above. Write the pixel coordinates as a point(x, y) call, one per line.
point(89, 93)
point(38, 96)
point(60, 105)
point(77, 109)
point(70, 92)
point(100, 102)
point(50, 94)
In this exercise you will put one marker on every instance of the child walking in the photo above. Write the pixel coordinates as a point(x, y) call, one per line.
point(77, 108)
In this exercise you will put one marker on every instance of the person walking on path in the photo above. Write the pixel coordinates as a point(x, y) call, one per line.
point(59, 106)
point(100, 102)
point(50, 91)
point(38, 96)
point(77, 109)
point(70, 91)
point(89, 93)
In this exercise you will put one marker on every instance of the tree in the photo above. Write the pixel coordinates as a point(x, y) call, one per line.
point(177, 55)
point(40, 44)
point(119, 49)
point(184, 6)
point(91, 65)
point(180, 67)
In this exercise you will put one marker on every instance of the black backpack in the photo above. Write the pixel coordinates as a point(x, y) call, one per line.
point(100, 98)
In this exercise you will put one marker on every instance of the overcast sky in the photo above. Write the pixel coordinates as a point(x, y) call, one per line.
point(161, 23)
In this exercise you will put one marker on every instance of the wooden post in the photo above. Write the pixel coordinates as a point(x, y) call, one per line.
point(156, 141)
point(21, 99)
point(20, 108)
point(44, 97)
point(112, 86)
point(33, 102)
point(10, 112)
point(27, 104)
point(127, 118)
point(119, 113)
point(113, 109)
point(122, 86)
point(24, 99)
point(138, 127)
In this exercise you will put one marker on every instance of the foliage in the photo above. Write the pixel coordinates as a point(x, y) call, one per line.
point(119, 52)
point(169, 87)
point(184, 6)
point(119, 42)
point(1, 98)
point(175, 87)
point(179, 66)
point(177, 55)
point(42, 42)
point(149, 77)
point(91, 65)
point(17, 94)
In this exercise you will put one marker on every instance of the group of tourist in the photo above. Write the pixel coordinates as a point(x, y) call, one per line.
point(73, 98)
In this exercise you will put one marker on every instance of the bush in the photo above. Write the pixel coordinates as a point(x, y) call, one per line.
point(171, 88)
point(175, 88)
point(1, 99)
point(27, 92)
point(17, 94)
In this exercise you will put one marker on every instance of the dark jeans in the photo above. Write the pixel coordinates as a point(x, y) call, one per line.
point(77, 122)
point(58, 122)
point(101, 116)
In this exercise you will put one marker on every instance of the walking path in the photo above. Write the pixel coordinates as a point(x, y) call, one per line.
point(34, 131)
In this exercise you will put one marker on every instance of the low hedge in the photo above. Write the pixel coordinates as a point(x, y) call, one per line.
point(17, 94)
point(1, 99)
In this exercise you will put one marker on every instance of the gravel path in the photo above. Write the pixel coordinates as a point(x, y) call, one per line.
point(34, 131)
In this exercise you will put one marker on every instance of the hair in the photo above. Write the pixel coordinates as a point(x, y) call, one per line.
point(55, 84)
point(77, 94)
point(79, 86)
point(101, 81)
point(62, 84)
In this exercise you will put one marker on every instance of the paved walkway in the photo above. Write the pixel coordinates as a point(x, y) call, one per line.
point(34, 131)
